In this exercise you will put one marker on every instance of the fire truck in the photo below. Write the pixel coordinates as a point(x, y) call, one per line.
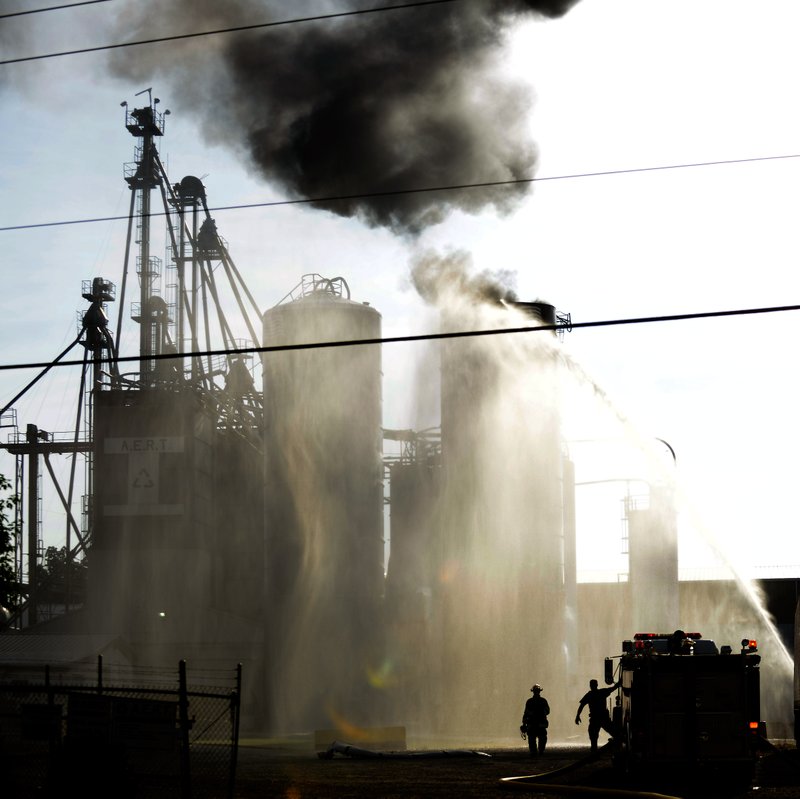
point(684, 702)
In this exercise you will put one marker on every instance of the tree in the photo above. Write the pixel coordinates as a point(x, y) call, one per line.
point(9, 590)
point(56, 567)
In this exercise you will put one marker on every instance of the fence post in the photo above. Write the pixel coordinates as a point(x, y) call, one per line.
point(53, 731)
point(236, 704)
point(183, 711)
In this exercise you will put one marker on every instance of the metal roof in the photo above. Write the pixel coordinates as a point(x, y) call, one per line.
point(20, 649)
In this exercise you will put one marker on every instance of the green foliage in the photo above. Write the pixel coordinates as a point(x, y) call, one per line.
point(56, 569)
point(56, 566)
point(8, 584)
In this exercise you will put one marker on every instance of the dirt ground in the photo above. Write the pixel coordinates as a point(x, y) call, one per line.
point(269, 769)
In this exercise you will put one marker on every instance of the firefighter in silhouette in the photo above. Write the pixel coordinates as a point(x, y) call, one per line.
point(599, 717)
point(534, 722)
point(679, 644)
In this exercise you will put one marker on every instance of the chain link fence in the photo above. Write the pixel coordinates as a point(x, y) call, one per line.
point(132, 735)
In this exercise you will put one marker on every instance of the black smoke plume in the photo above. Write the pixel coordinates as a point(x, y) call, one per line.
point(370, 104)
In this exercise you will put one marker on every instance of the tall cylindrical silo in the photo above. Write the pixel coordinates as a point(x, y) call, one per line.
point(324, 507)
point(502, 590)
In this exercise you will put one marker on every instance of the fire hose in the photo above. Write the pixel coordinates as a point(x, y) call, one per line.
point(537, 783)
point(339, 748)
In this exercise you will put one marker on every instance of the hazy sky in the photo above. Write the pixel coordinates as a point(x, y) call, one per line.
point(614, 85)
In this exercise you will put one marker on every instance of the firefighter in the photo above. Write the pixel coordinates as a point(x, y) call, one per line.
point(599, 717)
point(534, 721)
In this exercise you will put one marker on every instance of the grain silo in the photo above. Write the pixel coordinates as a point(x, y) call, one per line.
point(504, 586)
point(324, 507)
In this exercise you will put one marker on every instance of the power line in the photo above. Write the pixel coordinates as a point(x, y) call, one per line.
point(51, 8)
point(426, 189)
point(419, 337)
point(236, 29)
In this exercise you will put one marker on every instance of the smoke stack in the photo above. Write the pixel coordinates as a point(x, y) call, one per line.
point(365, 104)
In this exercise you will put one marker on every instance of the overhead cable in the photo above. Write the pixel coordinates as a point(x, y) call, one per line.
point(424, 189)
point(236, 29)
point(46, 368)
point(316, 345)
point(51, 8)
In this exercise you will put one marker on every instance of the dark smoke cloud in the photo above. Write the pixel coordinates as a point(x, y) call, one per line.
point(380, 102)
point(441, 277)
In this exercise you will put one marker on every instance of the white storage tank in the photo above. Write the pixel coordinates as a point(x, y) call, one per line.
point(324, 504)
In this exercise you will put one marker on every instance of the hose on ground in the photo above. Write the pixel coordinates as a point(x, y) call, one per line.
point(537, 782)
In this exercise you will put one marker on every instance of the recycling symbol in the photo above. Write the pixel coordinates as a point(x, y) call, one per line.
point(143, 480)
